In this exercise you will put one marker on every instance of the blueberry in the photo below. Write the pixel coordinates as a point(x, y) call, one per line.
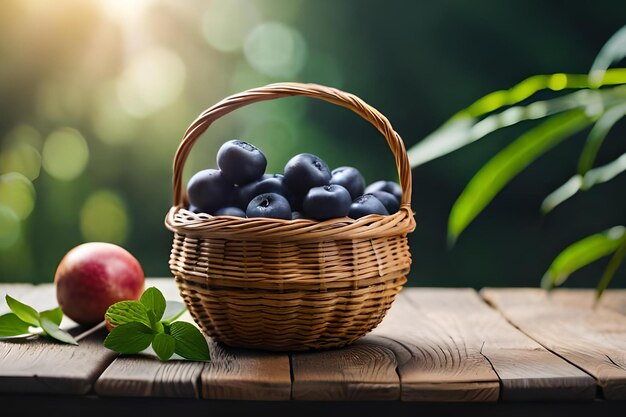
point(303, 172)
point(208, 190)
point(230, 211)
point(241, 162)
point(388, 186)
point(270, 183)
point(350, 178)
point(327, 202)
point(390, 201)
point(295, 215)
point(194, 209)
point(366, 204)
point(270, 205)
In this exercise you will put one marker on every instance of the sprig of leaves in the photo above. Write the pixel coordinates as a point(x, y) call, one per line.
point(600, 102)
point(23, 317)
point(138, 324)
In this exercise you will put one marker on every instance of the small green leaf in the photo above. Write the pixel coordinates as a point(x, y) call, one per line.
point(52, 330)
point(155, 325)
point(12, 325)
point(611, 269)
point(55, 315)
point(127, 312)
point(163, 345)
point(190, 343)
point(582, 253)
point(562, 194)
point(153, 299)
point(496, 173)
point(129, 338)
point(605, 172)
point(592, 178)
point(23, 311)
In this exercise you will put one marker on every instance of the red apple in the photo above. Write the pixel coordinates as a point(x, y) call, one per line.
point(93, 276)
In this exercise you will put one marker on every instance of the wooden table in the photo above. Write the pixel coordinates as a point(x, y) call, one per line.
point(498, 351)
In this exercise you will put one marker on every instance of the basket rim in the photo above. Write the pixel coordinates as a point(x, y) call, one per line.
point(184, 222)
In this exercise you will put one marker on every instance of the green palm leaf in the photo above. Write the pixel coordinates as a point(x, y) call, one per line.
point(582, 253)
point(467, 126)
point(496, 173)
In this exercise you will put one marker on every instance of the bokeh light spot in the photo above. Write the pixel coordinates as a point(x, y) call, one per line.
point(152, 80)
point(65, 154)
point(103, 218)
point(9, 227)
point(24, 134)
point(276, 50)
point(17, 194)
point(226, 23)
point(22, 158)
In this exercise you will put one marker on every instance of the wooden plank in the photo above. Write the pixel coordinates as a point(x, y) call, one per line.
point(593, 340)
point(614, 300)
point(365, 370)
point(436, 360)
point(40, 365)
point(231, 373)
point(147, 376)
point(451, 346)
point(611, 299)
point(242, 374)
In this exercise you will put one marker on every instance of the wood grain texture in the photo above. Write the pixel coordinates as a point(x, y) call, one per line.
point(365, 370)
point(147, 376)
point(436, 359)
point(242, 374)
point(451, 346)
point(593, 340)
point(41, 365)
point(584, 298)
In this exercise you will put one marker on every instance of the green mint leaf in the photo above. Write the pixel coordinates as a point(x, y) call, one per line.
point(153, 300)
point(155, 325)
point(129, 338)
point(23, 311)
point(163, 345)
point(173, 310)
point(125, 312)
point(12, 325)
point(52, 330)
point(55, 315)
point(190, 343)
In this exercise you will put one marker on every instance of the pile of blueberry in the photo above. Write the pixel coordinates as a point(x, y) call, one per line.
point(306, 189)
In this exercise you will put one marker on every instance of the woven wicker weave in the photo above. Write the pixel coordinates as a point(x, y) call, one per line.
point(289, 284)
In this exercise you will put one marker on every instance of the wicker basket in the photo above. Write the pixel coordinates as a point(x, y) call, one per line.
point(289, 284)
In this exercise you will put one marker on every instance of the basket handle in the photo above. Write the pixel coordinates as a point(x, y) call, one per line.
point(279, 90)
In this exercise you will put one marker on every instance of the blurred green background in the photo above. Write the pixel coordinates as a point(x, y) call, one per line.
point(97, 93)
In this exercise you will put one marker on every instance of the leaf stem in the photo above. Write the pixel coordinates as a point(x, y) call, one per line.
point(611, 268)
